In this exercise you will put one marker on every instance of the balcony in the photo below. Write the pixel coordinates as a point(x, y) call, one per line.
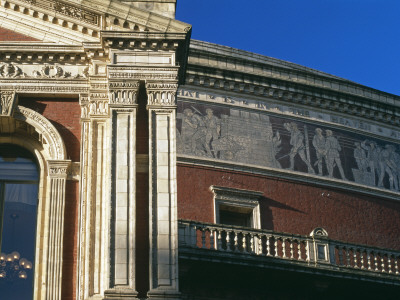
point(315, 254)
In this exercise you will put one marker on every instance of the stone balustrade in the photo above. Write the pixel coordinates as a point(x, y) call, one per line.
point(313, 251)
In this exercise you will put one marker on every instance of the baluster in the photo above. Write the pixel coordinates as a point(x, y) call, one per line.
point(355, 258)
point(219, 241)
point(299, 250)
point(382, 263)
point(307, 250)
point(369, 260)
point(291, 248)
point(228, 241)
point(284, 248)
point(193, 236)
point(347, 251)
point(235, 239)
point(340, 251)
point(376, 262)
point(396, 265)
point(245, 249)
point(268, 246)
point(203, 238)
point(212, 241)
point(252, 237)
point(259, 241)
point(389, 260)
point(276, 247)
point(362, 259)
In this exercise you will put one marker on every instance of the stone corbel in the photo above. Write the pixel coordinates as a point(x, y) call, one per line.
point(7, 103)
point(123, 93)
point(161, 94)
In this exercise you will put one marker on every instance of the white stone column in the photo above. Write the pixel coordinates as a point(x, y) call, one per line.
point(163, 203)
point(123, 109)
point(57, 177)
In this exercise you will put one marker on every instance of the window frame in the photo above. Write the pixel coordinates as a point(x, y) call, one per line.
point(237, 198)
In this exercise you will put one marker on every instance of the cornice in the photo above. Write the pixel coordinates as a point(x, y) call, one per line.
point(125, 15)
point(225, 60)
point(294, 92)
point(48, 22)
point(74, 22)
point(40, 54)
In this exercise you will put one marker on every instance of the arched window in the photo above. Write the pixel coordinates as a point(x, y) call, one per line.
point(19, 178)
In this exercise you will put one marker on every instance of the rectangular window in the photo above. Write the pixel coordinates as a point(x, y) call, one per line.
point(236, 207)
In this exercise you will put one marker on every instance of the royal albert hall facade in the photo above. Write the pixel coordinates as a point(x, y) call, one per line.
point(137, 163)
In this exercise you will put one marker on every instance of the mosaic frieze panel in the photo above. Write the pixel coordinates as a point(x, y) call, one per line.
point(258, 138)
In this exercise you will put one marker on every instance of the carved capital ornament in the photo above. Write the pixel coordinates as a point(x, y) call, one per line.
point(161, 93)
point(7, 102)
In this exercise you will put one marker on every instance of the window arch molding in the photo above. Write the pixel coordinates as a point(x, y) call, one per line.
point(48, 147)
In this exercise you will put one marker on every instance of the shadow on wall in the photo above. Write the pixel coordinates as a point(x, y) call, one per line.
point(267, 218)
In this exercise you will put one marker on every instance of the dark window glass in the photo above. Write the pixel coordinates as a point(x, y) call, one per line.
point(234, 218)
point(18, 204)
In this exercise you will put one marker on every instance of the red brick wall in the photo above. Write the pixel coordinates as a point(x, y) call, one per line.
point(294, 207)
point(8, 35)
point(70, 252)
point(64, 114)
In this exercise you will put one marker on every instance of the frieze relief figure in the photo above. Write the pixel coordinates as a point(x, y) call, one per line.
point(319, 144)
point(247, 137)
point(193, 133)
point(372, 157)
point(298, 146)
point(213, 131)
point(387, 166)
point(333, 148)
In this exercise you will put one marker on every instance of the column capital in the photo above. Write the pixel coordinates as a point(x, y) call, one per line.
point(58, 168)
point(161, 94)
point(7, 102)
point(123, 92)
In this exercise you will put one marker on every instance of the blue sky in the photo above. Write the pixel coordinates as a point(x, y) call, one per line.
point(358, 40)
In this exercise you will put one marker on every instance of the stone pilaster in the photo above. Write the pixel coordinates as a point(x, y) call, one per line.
point(57, 172)
point(163, 203)
point(123, 110)
point(94, 226)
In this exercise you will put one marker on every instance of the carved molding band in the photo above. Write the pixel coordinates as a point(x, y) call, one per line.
point(8, 70)
point(67, 10)
point(161, 94)
point(7, 102)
